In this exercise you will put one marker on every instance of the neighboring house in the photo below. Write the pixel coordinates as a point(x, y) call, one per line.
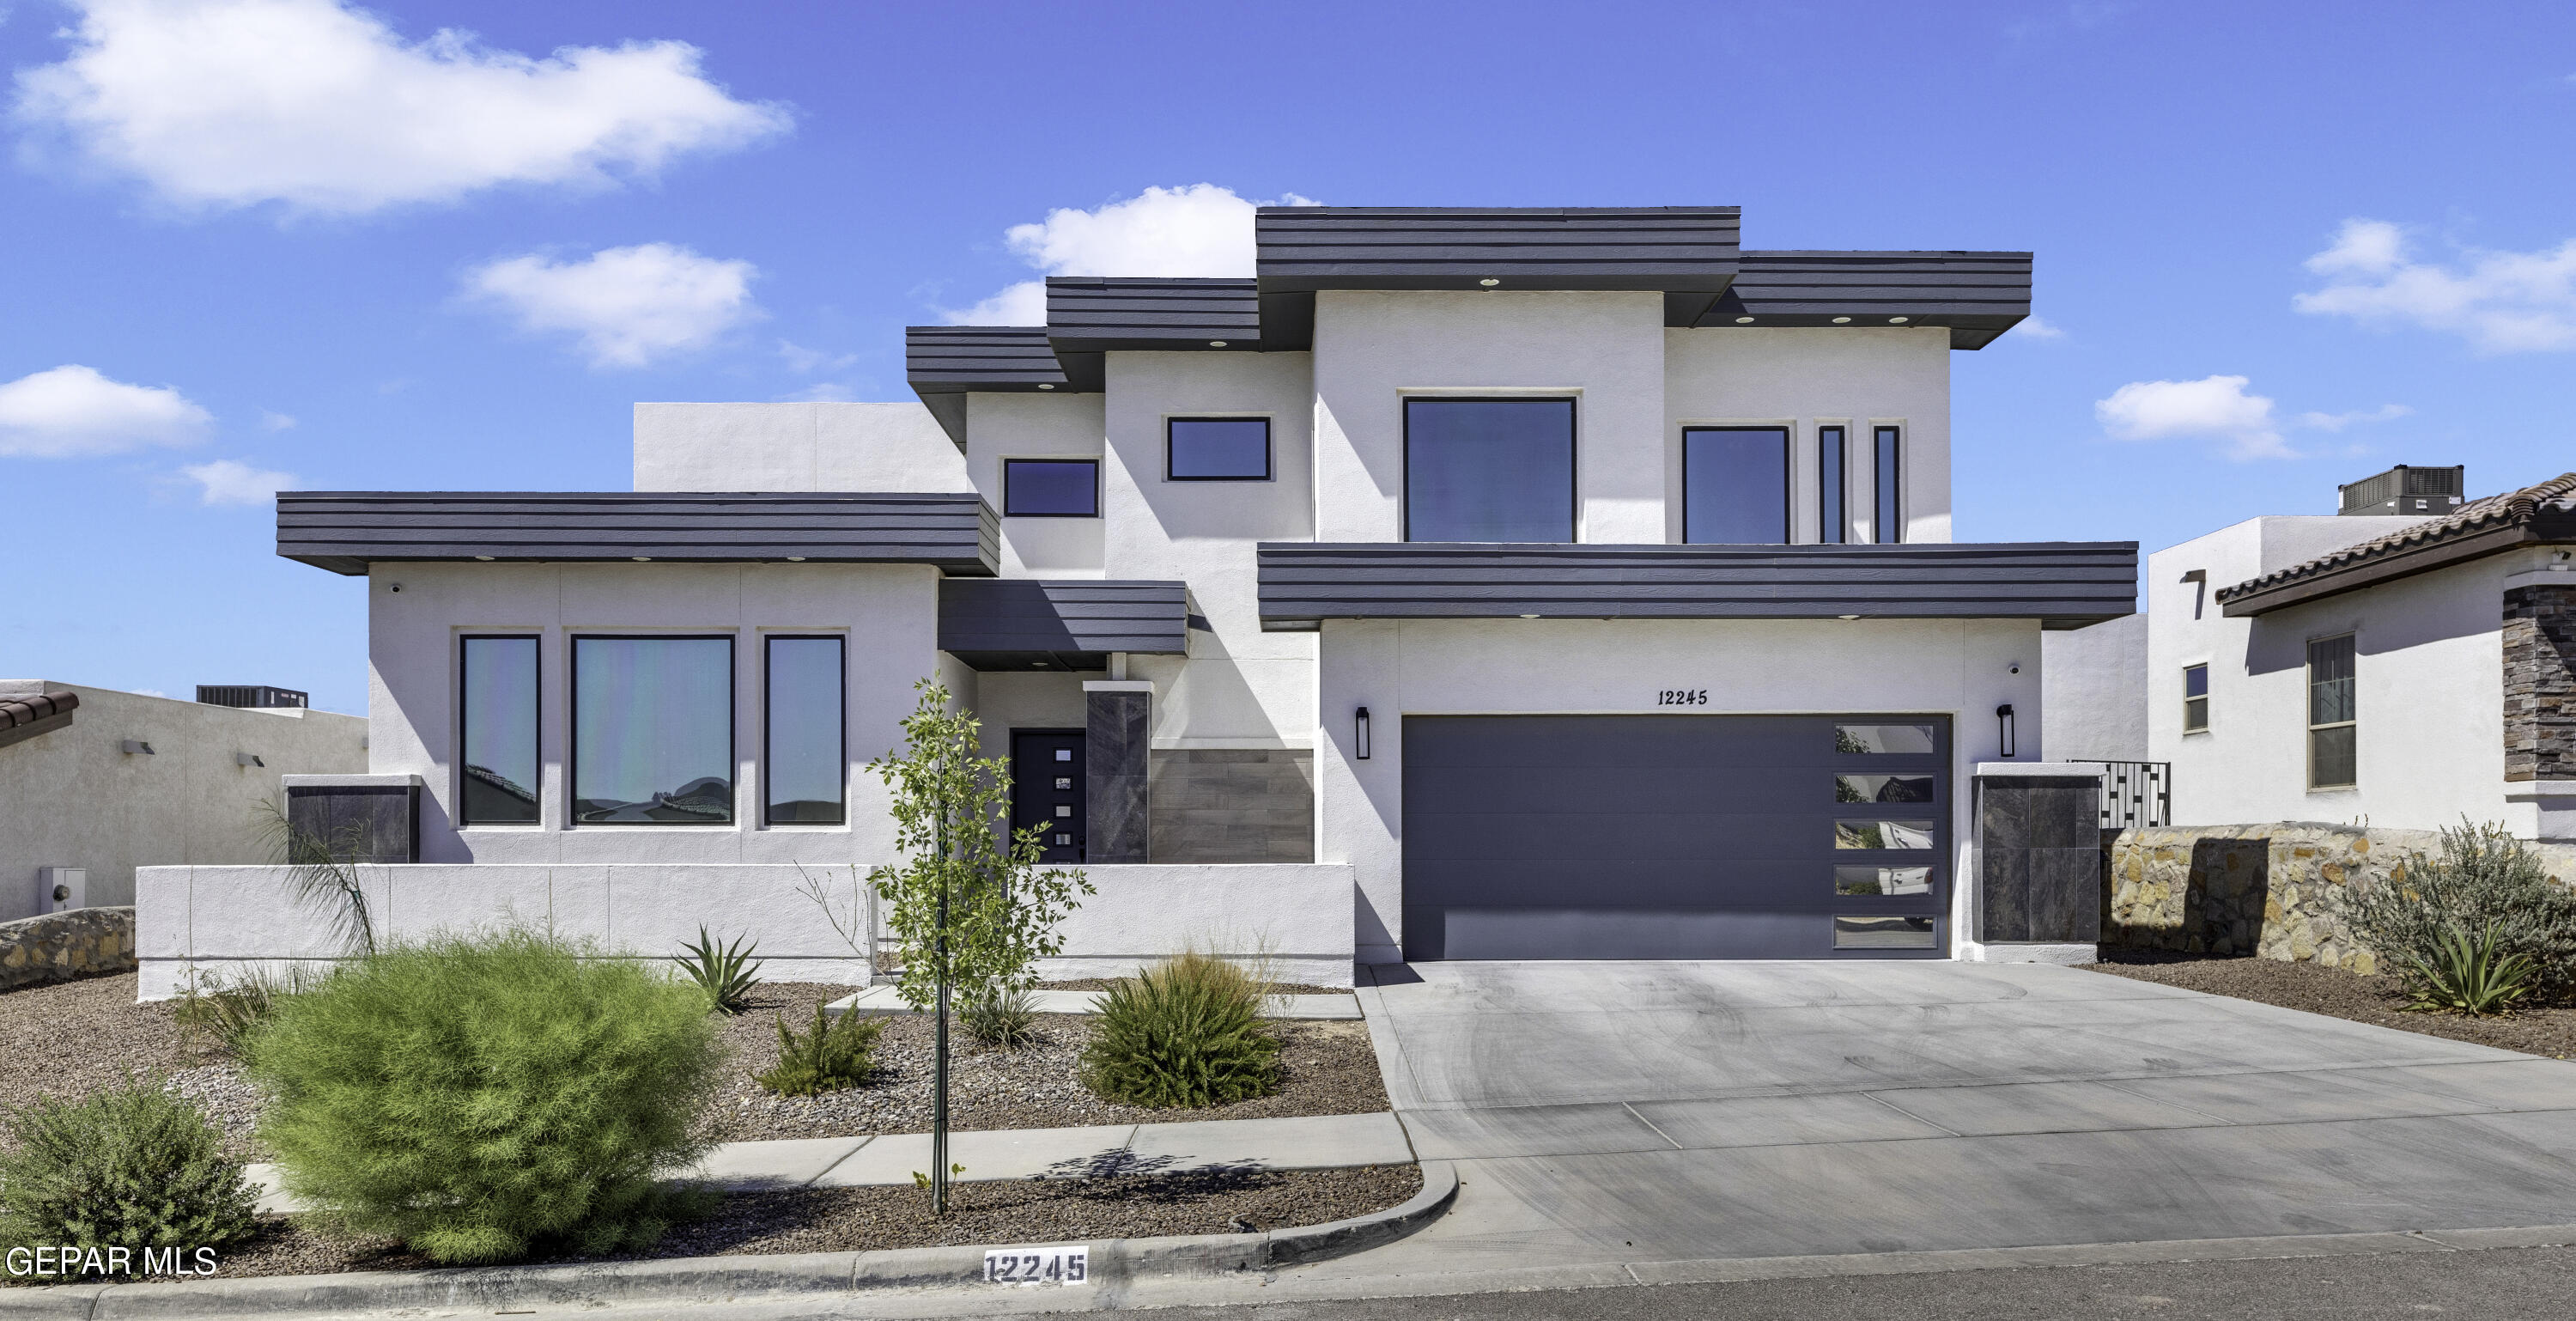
point(1467, 584)
point(2405, 664)
point(2093, 691)
point(101, 782)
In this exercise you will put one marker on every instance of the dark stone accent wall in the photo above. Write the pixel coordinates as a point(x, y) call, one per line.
point(358, 823)
point(2039, 859)
point(1234, 805)
point(2540, 683)
point(1117, 732)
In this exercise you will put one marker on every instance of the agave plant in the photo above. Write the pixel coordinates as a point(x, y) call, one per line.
point(2471, 975)
point(726, 973)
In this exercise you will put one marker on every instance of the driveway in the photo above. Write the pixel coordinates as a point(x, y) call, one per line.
point(1610, 1114)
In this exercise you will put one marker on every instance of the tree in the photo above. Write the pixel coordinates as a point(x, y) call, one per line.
point(968, 904)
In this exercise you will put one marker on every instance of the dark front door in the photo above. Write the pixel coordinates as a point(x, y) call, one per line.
point(1046, 789)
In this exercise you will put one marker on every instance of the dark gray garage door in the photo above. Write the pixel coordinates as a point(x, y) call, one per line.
point(1676, 837)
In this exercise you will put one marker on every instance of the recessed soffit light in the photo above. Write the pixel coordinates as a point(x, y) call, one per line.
point(1044, 386)
point(1216, 343)
point(1529, 616)
point(643, 559)
point(796, 559)
point(1898, 320)
point(485, 558)
point(1489, 282)
point(1846, 616)
point(1842, 321)
point(1744, 321)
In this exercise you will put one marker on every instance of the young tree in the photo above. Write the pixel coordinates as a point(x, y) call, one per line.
point(969, 904)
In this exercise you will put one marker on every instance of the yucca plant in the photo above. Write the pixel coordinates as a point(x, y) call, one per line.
point(834, 1054)
point(1186, 1032)
point(2471, 975)
point(1004, 1016)
point(726, 973)
point(227, 1014)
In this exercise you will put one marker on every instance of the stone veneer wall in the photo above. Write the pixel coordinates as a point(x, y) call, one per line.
point(2259, 889)
point(2539, 683)
point(55, 947)
point(1234, 805)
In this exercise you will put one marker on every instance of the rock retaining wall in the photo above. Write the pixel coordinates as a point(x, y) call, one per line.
point(55, 947)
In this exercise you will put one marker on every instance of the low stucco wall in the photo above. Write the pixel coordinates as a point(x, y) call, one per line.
point(222, 922)
point(2263, 890)
point(56, 947)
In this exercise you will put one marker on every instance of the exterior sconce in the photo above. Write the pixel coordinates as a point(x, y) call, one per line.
point(247, 759)
point(133, 746)
point(1361, 721)
point(2004, 721)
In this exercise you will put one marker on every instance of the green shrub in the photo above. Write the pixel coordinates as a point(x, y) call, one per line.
point(2484, 880)
point(1187, 1032)
point(133, 1166)
point(2471, 975)
point(726, 973)
point(227, 1014)
point(833, 1054)
point(483, 1096)
point(1004, 1016)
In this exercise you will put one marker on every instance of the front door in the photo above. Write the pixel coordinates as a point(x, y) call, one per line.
point(1046, 789)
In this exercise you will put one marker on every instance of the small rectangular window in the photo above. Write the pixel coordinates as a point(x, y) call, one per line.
point(1887, 520)
point(497, 706)
point(1735, 485)
point(1051, 488)
point(1832, 527)
point(1217, 449)
point(652, 730)
point(1882, 834)
point(1883, 931)
point(805, 764)
point(1882, 880)
point(1883, 738)
point(2195, 698)
point(1489, 470)
point(2332, 718)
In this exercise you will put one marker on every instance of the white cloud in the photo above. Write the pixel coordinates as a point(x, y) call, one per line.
point(2215, 406)
point(2501, 302)
point(2338, 421)
point(801, 359)
point(225, 482)
point(73, 411)
point(272, 421)
point(230, 103)
point(630, 306)
point(1201, 230)
point(2039, 328)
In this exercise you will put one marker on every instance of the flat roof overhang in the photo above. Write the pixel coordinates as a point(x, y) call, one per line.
point(1007, 624)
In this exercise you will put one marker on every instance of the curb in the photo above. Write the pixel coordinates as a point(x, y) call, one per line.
point(689, 1280)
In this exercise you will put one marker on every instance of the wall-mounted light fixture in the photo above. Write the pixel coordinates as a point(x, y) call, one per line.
point(134, 745)
point(1362, 734)
point(2004, 727)
point(247, 759)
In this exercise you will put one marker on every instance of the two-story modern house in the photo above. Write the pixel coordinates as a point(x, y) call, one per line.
point(1505, 583)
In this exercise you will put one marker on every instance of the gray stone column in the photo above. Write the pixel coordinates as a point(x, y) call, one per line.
point(2039, 856)
point(359, 818)
point(1117, 733)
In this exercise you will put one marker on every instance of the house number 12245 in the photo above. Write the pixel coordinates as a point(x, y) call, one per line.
point(1682, 697)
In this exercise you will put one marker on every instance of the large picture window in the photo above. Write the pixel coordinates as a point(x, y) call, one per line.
point(1051, 488)
point(802, 723)
point(1217, 449)
point(1489, 470)
point(652, 730)
point(497, 730)
point(1735, 485)
point(2332, 719)
point(1887, 485)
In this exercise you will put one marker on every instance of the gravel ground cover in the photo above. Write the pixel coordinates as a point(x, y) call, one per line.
point(1276, 988)
point(2379, 1000)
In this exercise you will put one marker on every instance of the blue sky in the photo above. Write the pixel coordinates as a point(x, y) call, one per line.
point(248, 238)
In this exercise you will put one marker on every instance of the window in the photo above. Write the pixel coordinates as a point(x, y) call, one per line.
point(1217, 449)
point(2330, 714)
point(801, 724)
point(1887, 521)
point(1832, 527)
point(652, 730)
point(2195, 698)
point(1884, 739)
point(1051, 488)
point(1735, 485)
point(1489, 470)
point(497, 730)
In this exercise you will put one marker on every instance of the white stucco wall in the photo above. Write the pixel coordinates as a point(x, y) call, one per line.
point(2093, 690)
point(1036, 426)
point(73, 798)
point(794, 447)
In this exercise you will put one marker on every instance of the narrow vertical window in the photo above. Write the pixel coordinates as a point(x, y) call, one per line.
point(2331, 714)
point(497, 730)
point(1887, 521)
point(652, 730)
point(1832, 528)
point(805, 761)
point(2195, 698)
point(1735, 485)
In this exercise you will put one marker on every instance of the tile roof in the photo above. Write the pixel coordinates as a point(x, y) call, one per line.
point(2371, 561)
point(17, 711)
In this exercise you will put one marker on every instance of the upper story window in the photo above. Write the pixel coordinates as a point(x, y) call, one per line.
point(804, 763)
point(652, 730)
point(497, 730)
point(1051, 488)
point(1887, 520)
point(1735, 485)
point(2195, 698)
point(2331, 714)
point(1217, 449)
point(1833, 525)
point(1489, 470)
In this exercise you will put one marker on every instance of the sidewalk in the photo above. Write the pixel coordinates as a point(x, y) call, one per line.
point(1314, 1142)
point(882, 1000)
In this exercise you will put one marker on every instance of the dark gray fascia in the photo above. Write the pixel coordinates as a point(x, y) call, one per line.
point(1976, 295)
point(1092, 314)
point(1028, 623)
point(944, 364)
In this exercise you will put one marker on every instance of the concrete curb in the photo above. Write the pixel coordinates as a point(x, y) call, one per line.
point(701, 1280)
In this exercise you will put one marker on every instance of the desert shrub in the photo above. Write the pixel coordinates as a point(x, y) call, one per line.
point(1186, 1032)
point(726, 973)
point(225, 1014)
point(2471, 974)
point(999, 1015)
point(833, 1054)
point(2482, 880)
point(133, 1166)
point(482, 1096)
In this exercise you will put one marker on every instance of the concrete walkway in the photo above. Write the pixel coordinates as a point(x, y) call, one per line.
point(1615, 1115)
point(883, 1000)
point(1318, 1142)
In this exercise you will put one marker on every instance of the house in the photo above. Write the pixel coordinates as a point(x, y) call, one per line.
point(2405, 662)
point(96, 782)
point(1465, 584)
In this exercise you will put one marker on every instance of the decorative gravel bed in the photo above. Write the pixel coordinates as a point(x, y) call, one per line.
point(1276, 988)
point(2379, 1000)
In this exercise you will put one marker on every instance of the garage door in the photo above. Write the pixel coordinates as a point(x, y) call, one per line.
point(1676, 837)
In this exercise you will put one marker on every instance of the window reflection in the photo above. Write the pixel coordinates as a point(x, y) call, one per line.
point(1735, 485)
point(1882, 880)
point(1882, 834)
point(1882, 788)
point(1883, 738)
point(652, 730)
point(803, 780)
point(1883, 931)
point(498, 726)
point(1489, 470)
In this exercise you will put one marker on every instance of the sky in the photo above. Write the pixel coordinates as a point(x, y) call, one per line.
point(248, 245)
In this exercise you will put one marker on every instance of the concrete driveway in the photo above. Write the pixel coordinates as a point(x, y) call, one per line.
point(1622, 1113)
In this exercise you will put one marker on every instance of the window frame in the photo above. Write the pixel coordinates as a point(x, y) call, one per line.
point(1833, 489)
point(768, 713)
point(1788, 481)
point(1269, 457)
point(2201, 698)
point(572, 728)
point(1573, 460)
point(537, 661)
point(2308, 707)
point(1009, 512)
point(1887, 483)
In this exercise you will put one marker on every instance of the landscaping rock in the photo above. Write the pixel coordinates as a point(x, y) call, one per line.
point(57, 947)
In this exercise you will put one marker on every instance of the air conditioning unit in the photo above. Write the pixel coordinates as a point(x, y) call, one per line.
point(59, 889)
